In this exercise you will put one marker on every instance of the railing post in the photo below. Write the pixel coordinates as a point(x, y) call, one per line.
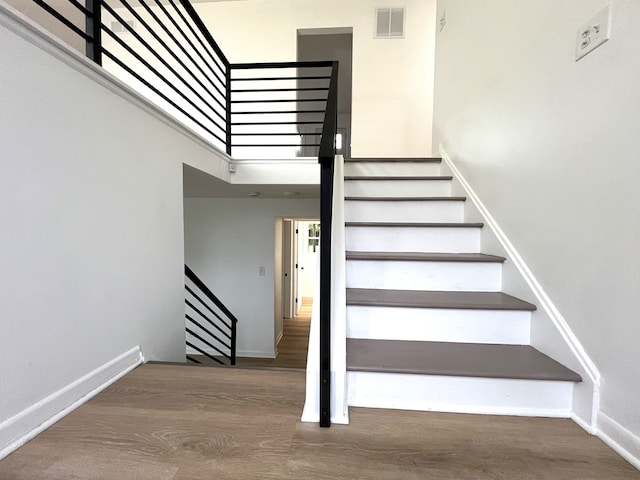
point(228, 103)
point(327, 159)
point(233, 341)
point(326, 199)
point(94, 30)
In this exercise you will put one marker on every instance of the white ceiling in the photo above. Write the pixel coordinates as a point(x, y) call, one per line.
point(199, 184)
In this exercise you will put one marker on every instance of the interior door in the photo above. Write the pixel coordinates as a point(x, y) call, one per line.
point(298, 268)
point(288, 299)
point(309, 257)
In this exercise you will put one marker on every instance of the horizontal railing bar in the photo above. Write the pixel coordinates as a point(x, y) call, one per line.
point(175, 24)
point(68, 23)
point(186, 4)
point(301, 89)
point(159, 93)
point(189, 344)
point(193, 359)
point(267, 65)
point(274, 145)
point(283, 100)
point(179, 45)
point(192, 320)
point(204, 289)
point(207, 319)
point(82, 8)
point(275, 123)
point(161, 77)
point(267, 79)
point(299, 134)
point(228, 325)
point(158, 56)
point(276, 111)
point(206, 342)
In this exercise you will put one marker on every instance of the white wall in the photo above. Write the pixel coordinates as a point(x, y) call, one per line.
point(226, 241)
point(392, 79)
point(91, 242)
point(552, 148)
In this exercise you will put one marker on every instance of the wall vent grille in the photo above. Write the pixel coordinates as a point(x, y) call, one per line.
point(390, 22)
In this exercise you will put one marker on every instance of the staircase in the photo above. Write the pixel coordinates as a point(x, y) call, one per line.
point(428, 327)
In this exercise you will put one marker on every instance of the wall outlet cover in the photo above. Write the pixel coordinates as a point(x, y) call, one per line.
point(594, 33)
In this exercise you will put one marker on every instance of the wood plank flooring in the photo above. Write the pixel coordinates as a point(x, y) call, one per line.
point(169, 422)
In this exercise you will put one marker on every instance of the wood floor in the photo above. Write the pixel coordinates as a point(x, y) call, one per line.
point(292, 349)
point(169, 422)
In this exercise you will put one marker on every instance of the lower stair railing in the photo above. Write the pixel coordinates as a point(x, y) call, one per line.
point(210, 326)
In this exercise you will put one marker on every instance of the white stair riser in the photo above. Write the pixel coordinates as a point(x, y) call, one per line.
point(413, 239)
point(397, 188)
point(404, 211)
point(408, 275)
point(507, 327)
point(460, 394)
point(389, 169)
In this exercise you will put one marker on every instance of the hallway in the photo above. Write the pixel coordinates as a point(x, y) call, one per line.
point(292, 348)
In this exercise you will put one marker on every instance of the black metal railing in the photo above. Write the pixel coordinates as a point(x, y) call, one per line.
point(326, 157)
point(163, 49)
point(210, 326)
point(280, 106)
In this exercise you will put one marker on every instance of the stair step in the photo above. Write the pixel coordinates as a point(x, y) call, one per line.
point(512, 327)
point(417, 224)
point(393, 160)
point(432, 299)
point(404, 209)
point(403, 178)
point(397, 186)
point(422, 271)
point(413, 237)
point(392, 167)
point(425, 257)
point(405, 199)
point(455, 359)
point(476, 395)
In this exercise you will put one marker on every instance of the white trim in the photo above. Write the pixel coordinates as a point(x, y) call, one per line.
point(542, 298)
point(22, 427)
point(239, 353)
point(592, 429)
point(275, 161)
point(339, 406)
point(41, 38)
point(624, 442)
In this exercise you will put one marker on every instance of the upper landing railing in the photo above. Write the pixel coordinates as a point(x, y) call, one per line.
point(163, 49)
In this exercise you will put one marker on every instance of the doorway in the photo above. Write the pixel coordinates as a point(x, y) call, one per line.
point(300, 256)
point(330, 44)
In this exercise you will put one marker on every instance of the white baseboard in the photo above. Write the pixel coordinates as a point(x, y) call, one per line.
point(239, 353)
point(624, 442)
point(22, 427)
point(543, 300)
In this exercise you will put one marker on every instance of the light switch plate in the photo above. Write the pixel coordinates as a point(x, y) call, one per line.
point(594, 33)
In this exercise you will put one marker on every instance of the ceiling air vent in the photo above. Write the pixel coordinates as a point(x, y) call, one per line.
point(390, 22)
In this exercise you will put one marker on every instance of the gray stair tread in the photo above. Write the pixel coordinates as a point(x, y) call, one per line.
point(455, 359)
point(407, 199)
point(425, 257)
point(433, 299)
point(367, 177)
point(392, 160)
point(409, 224)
